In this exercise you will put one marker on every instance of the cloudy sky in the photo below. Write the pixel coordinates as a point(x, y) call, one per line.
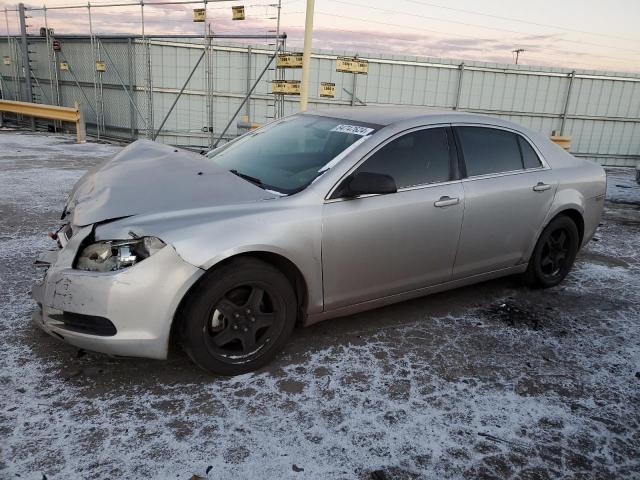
point(592, 34)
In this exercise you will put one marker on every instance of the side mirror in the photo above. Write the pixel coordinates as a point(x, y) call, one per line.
point(366, 183)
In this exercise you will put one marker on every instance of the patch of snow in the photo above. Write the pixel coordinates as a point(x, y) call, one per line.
point(20, 144)
point(622, 185)
point(38, 189)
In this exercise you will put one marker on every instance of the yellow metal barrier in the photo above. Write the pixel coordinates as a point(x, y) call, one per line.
point(51, 112)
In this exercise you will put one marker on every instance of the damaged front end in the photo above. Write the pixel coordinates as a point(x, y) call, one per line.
point(117, 293)
point(112, 296)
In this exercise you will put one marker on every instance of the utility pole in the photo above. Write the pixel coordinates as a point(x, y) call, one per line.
point(306, 55)
point(518, 52)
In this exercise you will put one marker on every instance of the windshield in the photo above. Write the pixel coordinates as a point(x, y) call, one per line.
point(290, 154)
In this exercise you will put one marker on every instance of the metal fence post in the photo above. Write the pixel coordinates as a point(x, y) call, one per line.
point(53, 70)
point(16, 86)
point(56, 69)
point(149, 87)
point(459, 92)
point(282, 43)
point(25, 59)
point(100, 87)
point(209, 74)
point(353, 91)
point(95, 73)
point(280, 73)
point(132, 116)
point(247, 106)
point(354, 85)
point(49, 49)
point(566, 102)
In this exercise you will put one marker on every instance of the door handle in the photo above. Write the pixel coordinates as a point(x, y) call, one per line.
point(541, 187)
point(445, 201)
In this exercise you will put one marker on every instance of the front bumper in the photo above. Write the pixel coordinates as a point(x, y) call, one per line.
point(139, 301)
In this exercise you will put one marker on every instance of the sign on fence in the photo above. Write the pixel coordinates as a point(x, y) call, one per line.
point(289, 60)
point(199, 14)
point(238, 12)
point(352, 65)
point(327, 89)
point(64, 66)
point(6, 60)
point(285, 87)
point(101, 66)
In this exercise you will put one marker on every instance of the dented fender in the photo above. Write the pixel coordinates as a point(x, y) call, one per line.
point(140, 301)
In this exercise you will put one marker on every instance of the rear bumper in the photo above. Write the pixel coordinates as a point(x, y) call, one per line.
point(139, 302)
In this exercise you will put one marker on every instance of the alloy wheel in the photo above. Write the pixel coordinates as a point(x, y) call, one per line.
point(555, 252)
point(243, 322)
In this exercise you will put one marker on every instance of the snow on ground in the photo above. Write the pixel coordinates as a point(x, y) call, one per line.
point(34, 189)
point(491, 381)
point(622, 185)
point(20, 146)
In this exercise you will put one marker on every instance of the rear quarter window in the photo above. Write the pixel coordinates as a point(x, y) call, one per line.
point(530, 158)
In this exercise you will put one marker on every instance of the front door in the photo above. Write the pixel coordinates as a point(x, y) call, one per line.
point(381, 245)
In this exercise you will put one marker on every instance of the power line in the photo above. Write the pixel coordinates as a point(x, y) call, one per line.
point(420, 29)
point(579, 42)
point(517, 20)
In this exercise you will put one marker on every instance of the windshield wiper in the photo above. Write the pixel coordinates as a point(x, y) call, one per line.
point(249, 178)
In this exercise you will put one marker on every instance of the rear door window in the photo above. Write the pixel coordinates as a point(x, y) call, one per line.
point(416, 158)
point(489, 150)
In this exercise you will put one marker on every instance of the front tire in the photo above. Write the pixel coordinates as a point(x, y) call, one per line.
point(554, 254)
point(239, 317)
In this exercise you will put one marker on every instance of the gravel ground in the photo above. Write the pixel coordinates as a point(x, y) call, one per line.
point(489, 381)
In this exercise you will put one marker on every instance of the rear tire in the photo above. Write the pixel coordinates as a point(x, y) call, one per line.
point(239, 317)
point(554, 254)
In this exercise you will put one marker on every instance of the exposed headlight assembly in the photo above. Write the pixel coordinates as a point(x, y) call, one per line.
point(111, 255)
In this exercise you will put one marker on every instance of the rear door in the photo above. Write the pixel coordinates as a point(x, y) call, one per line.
point(379, 245)
point(508, 192)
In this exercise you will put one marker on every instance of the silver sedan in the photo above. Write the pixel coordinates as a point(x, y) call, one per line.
point(314, 216)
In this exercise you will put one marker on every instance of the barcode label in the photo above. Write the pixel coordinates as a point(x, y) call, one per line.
point(352, 129)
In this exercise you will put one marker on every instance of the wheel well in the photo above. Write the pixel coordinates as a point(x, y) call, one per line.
point(576, 216)
point(286, 266)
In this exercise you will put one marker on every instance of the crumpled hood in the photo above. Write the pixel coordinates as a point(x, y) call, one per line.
point(148, 177)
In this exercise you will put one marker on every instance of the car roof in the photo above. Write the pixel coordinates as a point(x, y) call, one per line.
point(410, 116)
point(394, 114)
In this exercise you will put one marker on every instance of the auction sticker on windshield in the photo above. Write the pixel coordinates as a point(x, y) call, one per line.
point(352, 129)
